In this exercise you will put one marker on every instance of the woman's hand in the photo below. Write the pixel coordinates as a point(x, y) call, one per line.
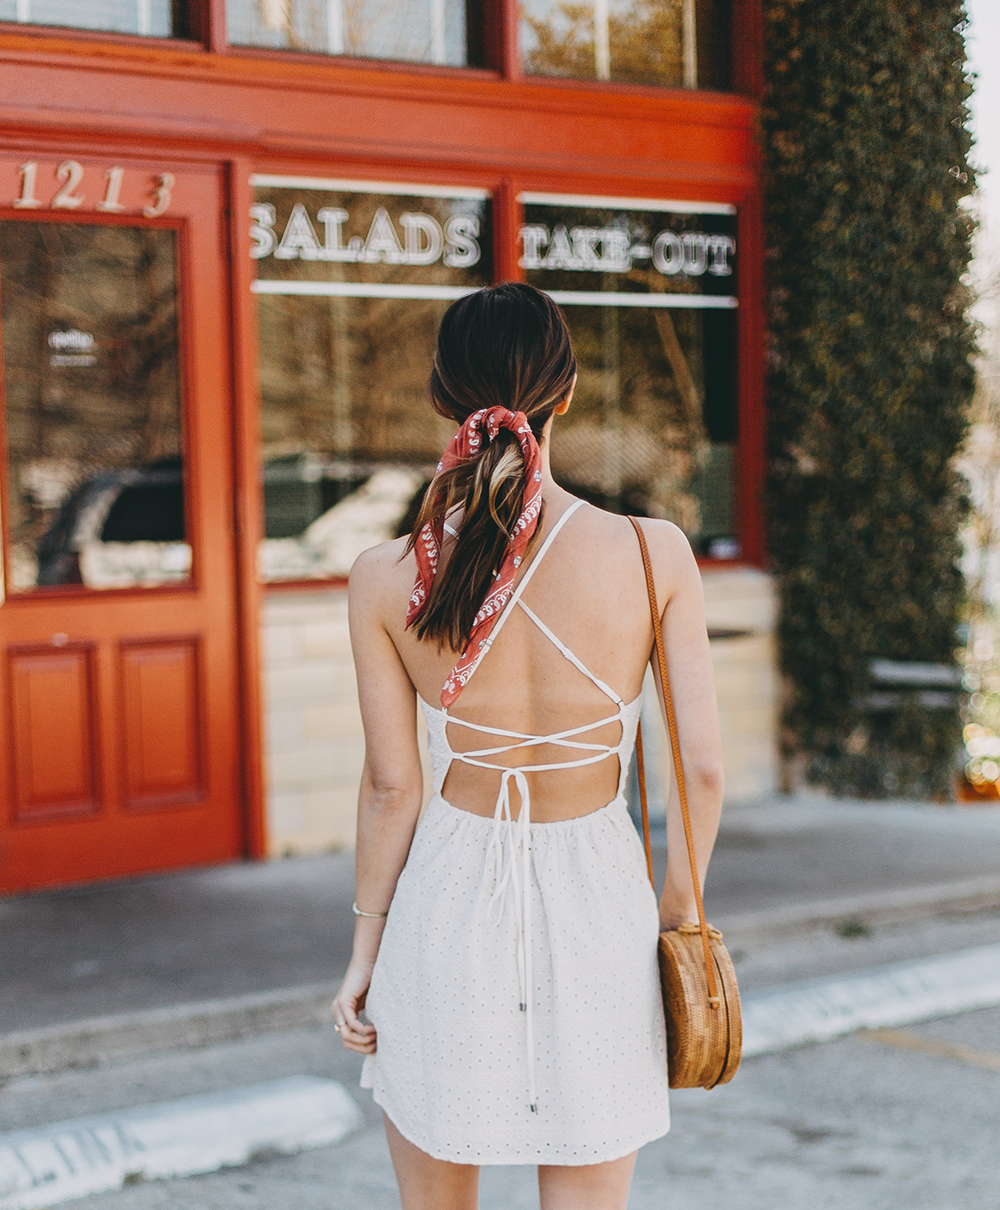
point(348, 1002)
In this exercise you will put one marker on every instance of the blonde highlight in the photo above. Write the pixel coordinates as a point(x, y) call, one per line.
point(504, 346)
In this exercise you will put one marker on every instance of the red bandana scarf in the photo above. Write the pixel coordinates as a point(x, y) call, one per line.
point(466, 444)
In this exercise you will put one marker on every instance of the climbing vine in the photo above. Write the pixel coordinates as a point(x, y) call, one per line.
point(867, 164)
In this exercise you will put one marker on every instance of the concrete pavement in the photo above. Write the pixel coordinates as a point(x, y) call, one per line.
point(195, 957)
point(813, 895)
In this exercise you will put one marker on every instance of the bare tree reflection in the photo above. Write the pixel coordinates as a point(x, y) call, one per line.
point(92, 379)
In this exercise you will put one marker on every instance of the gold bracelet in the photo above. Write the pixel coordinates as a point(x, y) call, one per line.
point(367, 915)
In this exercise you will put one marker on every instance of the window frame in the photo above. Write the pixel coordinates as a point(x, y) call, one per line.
point(498, 37)
point(508, 217)
point(689, 57)
point(501, 196)
point(198, 20)
point(192, 583)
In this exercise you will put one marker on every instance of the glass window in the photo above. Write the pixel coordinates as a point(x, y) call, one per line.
point(353, 279)
point(649, 291)
point(421, 31)
point(157, 18)
point(93, 406)
point(675, 43)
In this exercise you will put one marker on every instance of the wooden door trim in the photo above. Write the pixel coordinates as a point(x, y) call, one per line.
point(248, 503)
point(203, 221)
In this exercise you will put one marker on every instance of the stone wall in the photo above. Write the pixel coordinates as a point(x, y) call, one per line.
point(742, 600)
point(314, 748)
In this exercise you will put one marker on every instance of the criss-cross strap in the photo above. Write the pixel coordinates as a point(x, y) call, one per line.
point(533, 566)
point(574, 660)
point(563, 739)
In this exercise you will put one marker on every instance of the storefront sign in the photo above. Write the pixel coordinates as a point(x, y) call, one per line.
point(607, 250)
point(418, 239)
point(629, 252)
point(315, 236)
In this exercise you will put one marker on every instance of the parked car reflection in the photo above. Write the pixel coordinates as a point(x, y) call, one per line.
point(310, 538)
point(118, 529)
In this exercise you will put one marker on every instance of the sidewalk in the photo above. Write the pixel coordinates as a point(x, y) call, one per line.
point(197, 956)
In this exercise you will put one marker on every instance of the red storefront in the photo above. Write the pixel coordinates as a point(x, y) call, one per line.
point(225, 242)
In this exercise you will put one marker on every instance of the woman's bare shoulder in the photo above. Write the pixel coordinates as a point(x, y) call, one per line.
point(381, 569)
point(666, 538)
point(667, 542)
point(675, 569)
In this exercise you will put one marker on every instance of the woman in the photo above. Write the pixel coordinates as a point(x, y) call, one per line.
point(505, 944)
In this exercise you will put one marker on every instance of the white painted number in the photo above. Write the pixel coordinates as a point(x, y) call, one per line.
point(27, 200)
point(70, 173)
point(110, 203)
point(69, 176)
point(161, 195)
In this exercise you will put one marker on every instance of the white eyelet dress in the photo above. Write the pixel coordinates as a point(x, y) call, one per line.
point(516, 993)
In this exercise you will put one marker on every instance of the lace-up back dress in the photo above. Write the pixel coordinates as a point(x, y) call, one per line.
point(516, 992)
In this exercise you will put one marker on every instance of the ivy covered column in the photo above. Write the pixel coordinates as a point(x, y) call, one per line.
point(866, 149)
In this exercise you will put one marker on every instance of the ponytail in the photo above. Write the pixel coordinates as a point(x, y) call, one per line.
point(490, 490)
point(506, 346)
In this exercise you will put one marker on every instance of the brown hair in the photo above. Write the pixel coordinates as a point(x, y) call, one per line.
point(506, 346)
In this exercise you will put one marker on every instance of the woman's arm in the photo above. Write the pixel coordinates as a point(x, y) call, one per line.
point(689, 666)
point(391, 783)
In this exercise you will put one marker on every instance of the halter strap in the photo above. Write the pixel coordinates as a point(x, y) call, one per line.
point(532, 568)
point(574, 660)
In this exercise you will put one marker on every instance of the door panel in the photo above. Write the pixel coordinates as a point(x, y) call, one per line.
point(120, 717)
point(54, 739)
point(162, 716)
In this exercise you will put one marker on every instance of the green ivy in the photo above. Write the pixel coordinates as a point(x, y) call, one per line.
point(866, 155)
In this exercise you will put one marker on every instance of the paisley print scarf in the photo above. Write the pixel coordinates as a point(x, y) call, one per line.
point(481, 427)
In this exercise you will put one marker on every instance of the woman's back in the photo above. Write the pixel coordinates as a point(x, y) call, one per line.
point(588, 589)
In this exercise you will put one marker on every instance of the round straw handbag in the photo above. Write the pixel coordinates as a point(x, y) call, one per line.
point(701, 1001)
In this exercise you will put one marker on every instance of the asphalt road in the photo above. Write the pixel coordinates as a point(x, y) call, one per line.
point(903, 1122)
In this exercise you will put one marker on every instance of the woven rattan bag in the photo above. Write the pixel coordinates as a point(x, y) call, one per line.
point(701, 1000)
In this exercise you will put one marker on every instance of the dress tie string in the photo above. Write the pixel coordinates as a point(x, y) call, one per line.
point(509, 849)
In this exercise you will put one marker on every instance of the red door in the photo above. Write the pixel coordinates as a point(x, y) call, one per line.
point(119, 718)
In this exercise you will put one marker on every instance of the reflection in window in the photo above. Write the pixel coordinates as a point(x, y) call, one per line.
point(650, 298)
point(674, 43)
point(93, 411)
point(420, 31)
point(349, 439)
point(351, 288)
point(157, 18)
point(652, 426)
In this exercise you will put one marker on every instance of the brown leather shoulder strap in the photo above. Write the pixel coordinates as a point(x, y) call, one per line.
point(675, 749)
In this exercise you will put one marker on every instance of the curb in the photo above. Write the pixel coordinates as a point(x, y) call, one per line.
point(46, 1165)
point(100, 1039)
point(883, 907)
point(97, 1040)
point(901, 994)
